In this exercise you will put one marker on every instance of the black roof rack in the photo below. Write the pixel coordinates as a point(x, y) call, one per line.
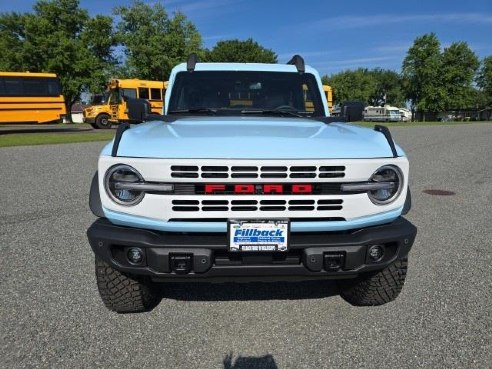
point(191, 62)
point(298, 61)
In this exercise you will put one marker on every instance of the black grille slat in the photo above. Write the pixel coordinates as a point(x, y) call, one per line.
point(303, 169)
point(215, 168)
point(244, 175)
point(331, 168)
point(329, 202)
point(332, 175)
point(301, 208)
point(272, 208)
point(215, 208)
point(244, 169)
point(272, 202)
point(215, 175)
point(274, 169)
point(185, 202)
point(244, 208)
point(302, 175)
point(184, 175)
point(327, 207)
point(244, 202)
point(301, 202)
point(273, 175)
point(184, 168)
point(215, 202)
point(186, 208)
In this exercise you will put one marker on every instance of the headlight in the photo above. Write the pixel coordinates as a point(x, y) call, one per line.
point(118, 184)
point(390, 180)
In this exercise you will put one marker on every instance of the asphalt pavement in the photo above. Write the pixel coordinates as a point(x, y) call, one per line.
point(51, 315)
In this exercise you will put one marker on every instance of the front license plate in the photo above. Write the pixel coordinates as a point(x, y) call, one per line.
point(263, 236)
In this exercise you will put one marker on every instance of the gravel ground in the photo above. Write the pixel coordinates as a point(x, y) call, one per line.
point(51, 315)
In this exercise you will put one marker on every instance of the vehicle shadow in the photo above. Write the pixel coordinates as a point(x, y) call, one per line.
point(204, 291)
point(250, 362)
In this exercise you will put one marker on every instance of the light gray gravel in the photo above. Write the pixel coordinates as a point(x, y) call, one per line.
point(51, 315)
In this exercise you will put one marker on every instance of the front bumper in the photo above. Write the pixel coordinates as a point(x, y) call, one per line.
point(310, 255)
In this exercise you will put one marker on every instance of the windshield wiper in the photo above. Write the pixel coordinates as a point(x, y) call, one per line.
point(193, 110)
point(294, 113)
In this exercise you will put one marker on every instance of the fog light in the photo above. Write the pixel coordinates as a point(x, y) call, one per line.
point(135, 255)
point(376, 252)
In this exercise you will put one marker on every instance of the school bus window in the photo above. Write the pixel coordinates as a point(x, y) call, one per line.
point(155, 94)
point(143, 93)
point(129, 92)
point(13, 87)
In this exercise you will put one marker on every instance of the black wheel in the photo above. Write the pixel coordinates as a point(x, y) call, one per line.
point(376, 288)
point(93, 125)
point(102, 121)
point(125, 293)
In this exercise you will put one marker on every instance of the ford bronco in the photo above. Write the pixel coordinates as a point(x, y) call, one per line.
point(245, 177)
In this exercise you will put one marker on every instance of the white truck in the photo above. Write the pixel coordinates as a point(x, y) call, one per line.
point(258, 188)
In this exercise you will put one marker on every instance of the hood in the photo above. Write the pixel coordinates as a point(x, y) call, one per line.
point(251, 138)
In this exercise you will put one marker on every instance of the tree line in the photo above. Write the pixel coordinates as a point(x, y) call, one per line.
point(432, 79)
point(144, 41)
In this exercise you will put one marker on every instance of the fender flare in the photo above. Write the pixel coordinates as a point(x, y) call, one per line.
point(94, 198)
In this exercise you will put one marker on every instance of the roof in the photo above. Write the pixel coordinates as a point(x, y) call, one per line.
point(258, 67)
point(26, 74)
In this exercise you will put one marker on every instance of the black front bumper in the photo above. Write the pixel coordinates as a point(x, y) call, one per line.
point(205, 255)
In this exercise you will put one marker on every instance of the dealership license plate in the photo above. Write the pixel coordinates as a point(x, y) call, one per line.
point(259, 236)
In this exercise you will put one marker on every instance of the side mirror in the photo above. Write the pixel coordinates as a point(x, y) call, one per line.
point(138, 110)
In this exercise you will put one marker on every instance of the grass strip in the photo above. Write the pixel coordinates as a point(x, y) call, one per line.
point(39, 138)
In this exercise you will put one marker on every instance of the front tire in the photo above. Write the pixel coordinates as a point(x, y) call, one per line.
point(376, 288)
point(102, 121)
point(124, 293)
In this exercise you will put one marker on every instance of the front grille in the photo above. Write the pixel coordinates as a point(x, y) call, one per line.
point(269, 172)
point(256, 205)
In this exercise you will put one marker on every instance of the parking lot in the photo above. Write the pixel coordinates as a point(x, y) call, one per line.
point(51, 315)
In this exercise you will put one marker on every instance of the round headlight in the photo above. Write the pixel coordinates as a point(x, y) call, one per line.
point(392, 178)
point(115, 181)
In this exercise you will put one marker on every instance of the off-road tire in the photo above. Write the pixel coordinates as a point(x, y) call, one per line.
point(102, 121)
point(125, 293)
point(376, 288)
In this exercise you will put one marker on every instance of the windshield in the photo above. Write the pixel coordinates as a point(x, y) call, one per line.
point(100, 99)
point(251, 92)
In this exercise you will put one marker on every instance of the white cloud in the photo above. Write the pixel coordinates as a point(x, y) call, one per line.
point(346, 22)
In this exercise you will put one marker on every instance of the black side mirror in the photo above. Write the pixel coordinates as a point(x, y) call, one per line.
point(138, 110)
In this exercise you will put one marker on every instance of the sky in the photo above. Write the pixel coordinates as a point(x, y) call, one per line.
point(331, 36)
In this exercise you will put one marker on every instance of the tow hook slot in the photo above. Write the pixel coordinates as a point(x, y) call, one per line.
point(334, 261)
point(180, 264)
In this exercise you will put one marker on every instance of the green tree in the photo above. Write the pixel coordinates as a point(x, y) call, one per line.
point(421, 71)
point(459, 67)
point(237, 51)
point(352, 85)
point(154, 42)
point(484, 80)
point(387, 89)
point(61, 38)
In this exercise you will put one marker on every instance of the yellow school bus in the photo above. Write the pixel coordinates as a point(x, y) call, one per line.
point(31, 98)
point(112, 107)
point(329, 96)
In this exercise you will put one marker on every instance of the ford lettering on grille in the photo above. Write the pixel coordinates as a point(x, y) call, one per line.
point(258, 189)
